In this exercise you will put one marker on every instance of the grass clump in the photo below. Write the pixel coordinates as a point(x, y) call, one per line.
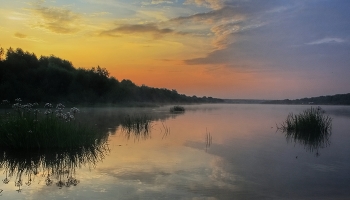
point(27, 128)
point(177, 109)
point(311, 128)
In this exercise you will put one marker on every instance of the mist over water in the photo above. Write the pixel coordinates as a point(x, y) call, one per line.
point(213, 151)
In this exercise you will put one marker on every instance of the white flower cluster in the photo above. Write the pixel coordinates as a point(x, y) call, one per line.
point(65, 116)
point(74, 110)
point(23, 107)
point(59, 112)
point(48, 107)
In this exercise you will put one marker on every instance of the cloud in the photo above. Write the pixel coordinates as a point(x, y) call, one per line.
point(26, 37)
point(140, 29)
point(20, 35)
point(225, 14)
point(223, 33)
point(56, 19)
point(221, 24)
point(99, 14)
point(155, 2)
point(214, 4)
point(327, 41)
point(218, 25)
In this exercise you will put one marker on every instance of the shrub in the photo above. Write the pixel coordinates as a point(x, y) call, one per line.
point(175, 109)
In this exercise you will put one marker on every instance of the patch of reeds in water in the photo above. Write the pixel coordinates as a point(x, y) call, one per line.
point(26, 128)
point(177, 109)
point(311, 128)
point(137, 126)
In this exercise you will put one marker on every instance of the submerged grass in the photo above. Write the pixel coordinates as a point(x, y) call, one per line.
point(176, 109)
point(31, 129)
point(311, 128)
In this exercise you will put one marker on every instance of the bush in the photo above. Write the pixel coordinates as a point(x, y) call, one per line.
point(177, 109)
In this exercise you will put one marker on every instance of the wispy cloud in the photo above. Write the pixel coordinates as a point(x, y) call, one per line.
point(217, 24)
point(220, 24)
point(214, 4)
point(223, 33)
point(152, 29)
point(327, 40)
point(154, 2)
point(57, 19)
point(225, 14)
point(20, 35)
point(99, 14)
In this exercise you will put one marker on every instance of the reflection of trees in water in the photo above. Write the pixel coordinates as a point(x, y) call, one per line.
point(57, 167)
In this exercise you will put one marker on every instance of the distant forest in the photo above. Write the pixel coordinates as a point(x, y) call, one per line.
point(338, 99)
point(52, 79)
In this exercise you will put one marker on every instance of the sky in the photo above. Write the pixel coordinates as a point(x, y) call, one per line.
point(240, 49)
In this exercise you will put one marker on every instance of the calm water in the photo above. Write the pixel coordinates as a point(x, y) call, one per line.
point(209, 152)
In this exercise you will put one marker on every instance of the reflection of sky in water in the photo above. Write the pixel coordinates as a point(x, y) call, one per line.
point(247, 159)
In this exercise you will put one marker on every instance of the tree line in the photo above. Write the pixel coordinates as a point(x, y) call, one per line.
point(52, 79)
point(338, 99)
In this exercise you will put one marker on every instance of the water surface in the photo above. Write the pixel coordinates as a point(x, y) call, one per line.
point(220, 151)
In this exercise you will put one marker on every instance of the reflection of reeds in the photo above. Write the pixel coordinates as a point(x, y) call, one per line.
point(208, 140)
point(311, 128)
point(166, 130)
point(138, 126)
point(56, 166)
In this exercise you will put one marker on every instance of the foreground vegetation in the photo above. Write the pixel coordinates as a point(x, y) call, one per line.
point(26, 127)
point(311, 128)
point(52, 79)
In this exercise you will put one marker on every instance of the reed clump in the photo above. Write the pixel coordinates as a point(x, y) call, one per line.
point(177, 109)
point(311, 128)
point(29, 128)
